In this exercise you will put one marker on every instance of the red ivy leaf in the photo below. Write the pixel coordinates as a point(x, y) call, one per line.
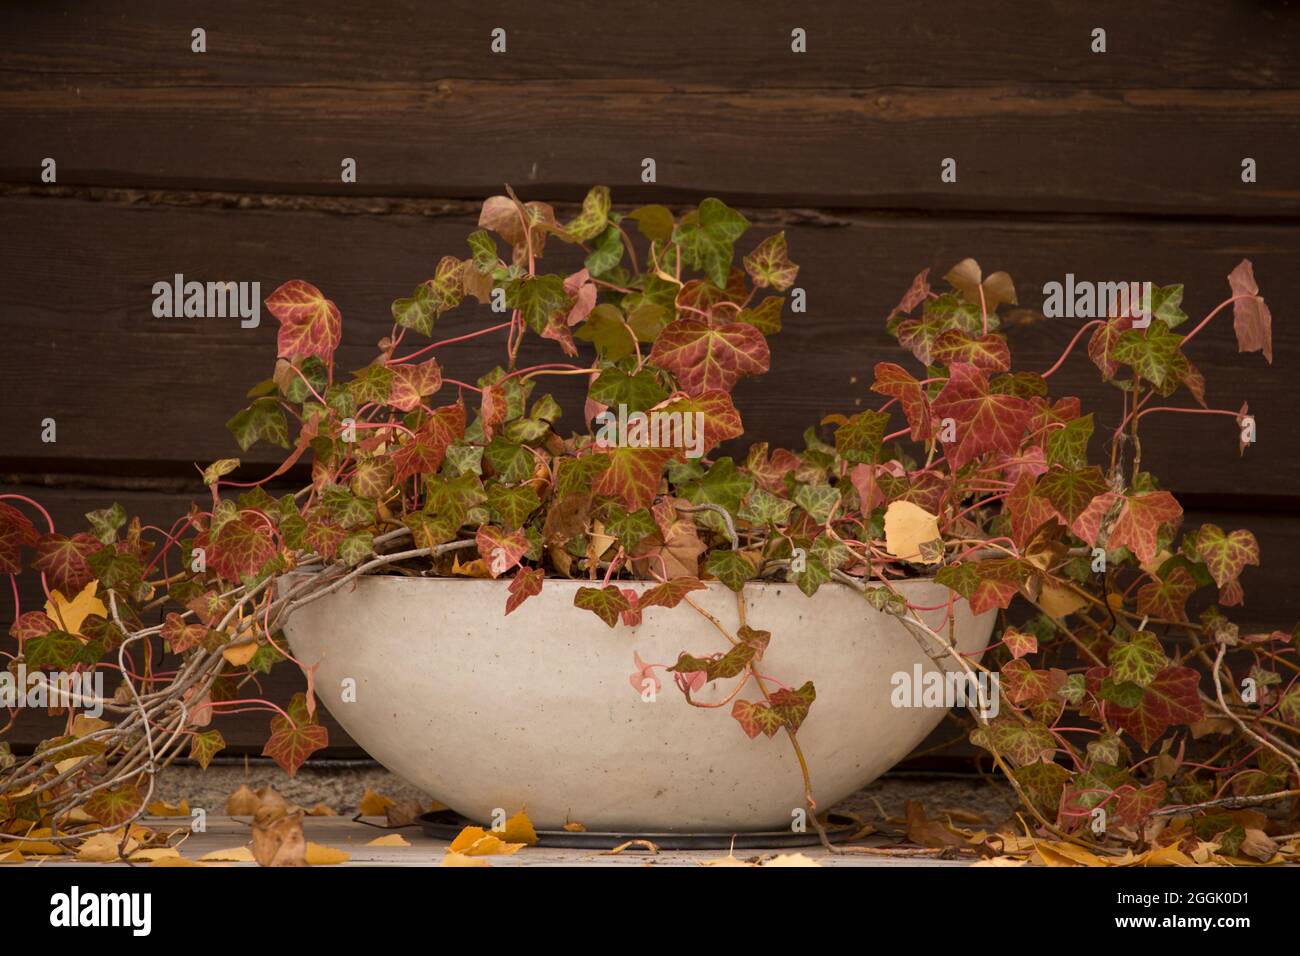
point(721, 420)
point(1168, 700)
point(984, 421)
point(181, 636)
point(1101, 347)
point(670, 593)
point(310, 324)
point(989, 353)
point(65, 560)
point(115, 806)
point(1250, 317)
point(1136, 524)
point(1166, 598)
point(424, 453)
point(411, 383)
point(526, 583)
point(296, 737)
point(632, 476)
point(756, 718)
point(242, 546)
point(915, 294)
point(896, 382)
point(16, 532)
point(985, 584)
point(769, 265)
point(501, 551)
point(705, 357)
point(32, 624)
point(1225, 555)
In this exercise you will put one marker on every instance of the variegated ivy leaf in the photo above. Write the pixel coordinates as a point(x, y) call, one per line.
point(205, 745)
point(594, 216)
point(1166, 305)
point(769, 264)
point(985, 584)
point(1154, 353)
point(792, 705)
point(632, 475)
point(262, 420)
point(764, 508)
point(356, 547)
point(730, 567)
point(1226, 555)
point(1137, 660)
point(896, 382)
point(723, 667)
point(1020, 743)
point(1165, 597)
point(606, 329)
point(539, 298)
point(310, 324)
point(988, 353)
point(346, 509)
point(766, 316)
point(1068, 445)
point(16, 532)
point(114, 806)
point(1071, 491)
point(818, 500)
point(859, 438)
point(639, 392)
point(106, 522)
point(514, 503)
point(606, 252)
point(756, 718)
point(1134, 521)
point(1170, 699)
point(707, 238)
point(423, 453)
point(415, 312)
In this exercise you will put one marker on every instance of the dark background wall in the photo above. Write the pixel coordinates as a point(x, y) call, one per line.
point(225, 165)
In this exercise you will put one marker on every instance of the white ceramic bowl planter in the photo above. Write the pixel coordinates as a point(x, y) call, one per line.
point(538, 709)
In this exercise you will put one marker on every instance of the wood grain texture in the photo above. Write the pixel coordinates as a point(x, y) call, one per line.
point(143, 395)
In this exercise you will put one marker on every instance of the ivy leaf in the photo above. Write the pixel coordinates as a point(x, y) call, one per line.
point(985, 584)
point(591, 222)
point(423, 454)
point(704, 357)
point(1137, 522)
point(1166, 302)
point(769, 264)
point(723, 485)
point(296, 737)
point(58, 650)
point(1043, 782)
point(1101, 345)
point(512, 461)
point(1166, 596)
point(717, 412)
point(707, 238)
point(766, 316)
point(526, 583)
point(416, 311)
point(639, 392)
point(1070, 491)
point(896, 382)
point(818, 500)
point(500, 550)
point(669, 593)
point(632, 475)
point(655, 222)
point(1022, 744)
point(606, 253)
point(310, 324)
point(513, 503)
point(264, 419)
point(1251, 318)
point(356, 547)
point(1068, 445)
point(1137, 660)
point(180, 635)
point(1170, 698)
point(989, 353)
point(1025, 685)
point(859, 438)
point(764, 508)
point(347, 510)
point(985, 422)
point(372, 384)
point(539, 298)
point(605, 602)
point(1225, 555)
point(792, 706)
point(608, 332)
point(483, 251)
point(116, 805)
point(412, 383)
point(206, 745)
point(1156, 354)
point(756, 718)
point(242, 546)
point(730, 567)
point(16, 533)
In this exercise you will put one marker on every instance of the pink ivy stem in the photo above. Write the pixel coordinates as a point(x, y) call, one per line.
point(452, 341)
point(1073, 342)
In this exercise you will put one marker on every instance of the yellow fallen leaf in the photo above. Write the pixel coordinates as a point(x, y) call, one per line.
point(1075, 854)
point(103, 848)
point(11, 856)
point(791, 859)
point(175, 861)
point(728, 860)
point(236, 854)
point(452, 858)
point(72, 614)
point(240, 654)
point(318, 855)
point(999, 861)
point(373, 804)
point(160, 808)
point(152, 856)
point(1059, 602)
point(519, 829)
point(83, 725)
point(910, 533)
point(393, 839)
point(321, 810)
point(1162, 856)
point(242, 803)
point(475, 841)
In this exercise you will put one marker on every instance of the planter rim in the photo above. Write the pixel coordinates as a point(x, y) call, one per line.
point(505, 579)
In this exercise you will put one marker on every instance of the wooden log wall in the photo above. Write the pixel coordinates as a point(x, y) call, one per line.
point(225, 165)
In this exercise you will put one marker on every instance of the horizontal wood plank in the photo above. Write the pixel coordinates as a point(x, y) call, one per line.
point(734, 43)
point(1016, 148)
point(136, 394)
